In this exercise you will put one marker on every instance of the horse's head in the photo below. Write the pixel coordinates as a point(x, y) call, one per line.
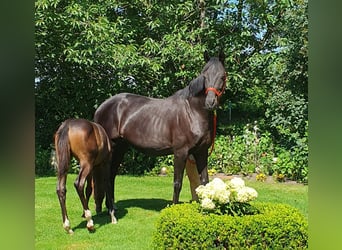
point(214, 76)
point(211, 82)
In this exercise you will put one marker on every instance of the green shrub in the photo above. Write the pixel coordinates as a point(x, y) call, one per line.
point(244, 153)
point(136, 163)
point(43, 165)
point(162, 162)
point(277, 226)
point(251, 151)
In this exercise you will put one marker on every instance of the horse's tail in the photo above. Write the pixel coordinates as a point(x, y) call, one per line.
point(62, 148)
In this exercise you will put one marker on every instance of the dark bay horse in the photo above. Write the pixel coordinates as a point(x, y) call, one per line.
point(181, 124)
point(89, 144)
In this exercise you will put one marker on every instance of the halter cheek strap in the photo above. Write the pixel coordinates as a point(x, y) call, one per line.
point(218, 93)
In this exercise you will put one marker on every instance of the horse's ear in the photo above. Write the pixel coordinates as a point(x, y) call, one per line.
point(196, 85)
point(206, 56)
point(222, 57)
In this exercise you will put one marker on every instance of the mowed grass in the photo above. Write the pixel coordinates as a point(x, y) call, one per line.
point(139, 200)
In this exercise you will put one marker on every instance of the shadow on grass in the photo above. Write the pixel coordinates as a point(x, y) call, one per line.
point(103, 218)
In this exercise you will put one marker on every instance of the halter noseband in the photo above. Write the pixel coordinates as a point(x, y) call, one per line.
point(218, 93)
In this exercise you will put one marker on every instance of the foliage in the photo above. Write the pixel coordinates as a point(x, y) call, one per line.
point(286, 115)
point(43, 166)
point(253, 151)
point(277, 226)
point(87, 51)
point(245, 153)
point(162, 162)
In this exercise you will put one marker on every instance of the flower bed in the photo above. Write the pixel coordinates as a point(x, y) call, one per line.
point(275, 226)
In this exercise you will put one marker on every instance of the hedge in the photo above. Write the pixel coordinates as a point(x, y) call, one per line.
point(276, 226)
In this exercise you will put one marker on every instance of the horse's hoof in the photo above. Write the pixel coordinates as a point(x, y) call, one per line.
point(91, 229)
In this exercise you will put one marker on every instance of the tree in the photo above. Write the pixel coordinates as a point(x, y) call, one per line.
point(87, 51)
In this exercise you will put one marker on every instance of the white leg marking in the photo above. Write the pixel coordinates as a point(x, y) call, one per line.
point(114, 221)
point(90, 224)
point(66, 226)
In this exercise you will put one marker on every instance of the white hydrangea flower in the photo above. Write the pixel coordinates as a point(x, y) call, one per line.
point(217, 193)
point(237, 183)
point(218, 184)
point(223, 196)
point(199, 191)
point(246, 194)
point(205, 192)
point(208, 204)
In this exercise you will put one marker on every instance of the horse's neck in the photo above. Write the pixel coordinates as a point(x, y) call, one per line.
point(185, 93)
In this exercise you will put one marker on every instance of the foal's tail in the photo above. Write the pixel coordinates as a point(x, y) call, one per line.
point(62, 148)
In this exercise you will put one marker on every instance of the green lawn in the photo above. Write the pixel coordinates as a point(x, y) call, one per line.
point(139, 200)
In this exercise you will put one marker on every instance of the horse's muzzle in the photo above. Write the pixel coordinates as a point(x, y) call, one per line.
point(211, 101)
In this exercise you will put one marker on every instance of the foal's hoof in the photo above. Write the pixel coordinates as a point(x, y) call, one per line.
point(69, 231)
point(91, 229)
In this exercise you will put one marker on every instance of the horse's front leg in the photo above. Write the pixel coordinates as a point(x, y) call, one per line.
point(179, 165)
point(118, 152)
point(108, 181)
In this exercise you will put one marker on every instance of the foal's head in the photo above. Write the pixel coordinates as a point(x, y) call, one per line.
point(214, 76)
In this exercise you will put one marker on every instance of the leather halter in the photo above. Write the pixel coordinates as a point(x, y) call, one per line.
point(217, 92)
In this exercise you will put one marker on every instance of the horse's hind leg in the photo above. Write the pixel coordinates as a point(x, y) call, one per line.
point(79, 185)
point(89, 189)
point(61, 193)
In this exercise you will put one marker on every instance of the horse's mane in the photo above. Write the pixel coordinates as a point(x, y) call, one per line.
point(183, 92)
point(195, 88)
point(196, 85)
point(210, 63)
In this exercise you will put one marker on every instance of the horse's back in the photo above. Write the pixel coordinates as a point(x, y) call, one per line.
point(111, 114)
point(87, 139)
point(157, 126)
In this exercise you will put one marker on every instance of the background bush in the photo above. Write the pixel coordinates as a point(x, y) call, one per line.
point(253, 149)
point(277, 226)
point(88, 51)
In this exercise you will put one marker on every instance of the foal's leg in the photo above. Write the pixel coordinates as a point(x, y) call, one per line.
point(61, 193)
point(179, 165)
point(79, 185)
point(89, 189)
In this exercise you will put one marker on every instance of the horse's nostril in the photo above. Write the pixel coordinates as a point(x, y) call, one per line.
point(210, 103)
